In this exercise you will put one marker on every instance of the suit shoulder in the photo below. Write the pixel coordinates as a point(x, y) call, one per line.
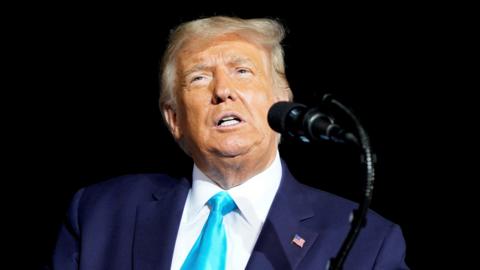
point(136, 180)
point(338, 207)
point(129, 188)
point(318, 197)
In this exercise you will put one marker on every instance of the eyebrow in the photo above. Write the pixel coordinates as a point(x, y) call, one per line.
point(234, 60)
point(196, 68)
point(237, 60)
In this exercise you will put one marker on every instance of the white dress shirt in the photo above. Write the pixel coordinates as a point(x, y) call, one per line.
point(243, 225)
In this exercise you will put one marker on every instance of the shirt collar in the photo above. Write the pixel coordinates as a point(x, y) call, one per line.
point(253, 197)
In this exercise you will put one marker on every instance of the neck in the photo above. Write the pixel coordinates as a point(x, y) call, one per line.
point(229, 172)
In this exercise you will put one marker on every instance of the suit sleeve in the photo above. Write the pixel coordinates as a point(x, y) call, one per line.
point(392, 252)
point(66, 253)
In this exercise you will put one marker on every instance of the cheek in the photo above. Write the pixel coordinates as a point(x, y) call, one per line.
point(258, 94)
point(262, 100)
point(194, 116)
point(259, 108)
point(258, 100)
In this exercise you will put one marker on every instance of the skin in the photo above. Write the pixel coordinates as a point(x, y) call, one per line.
point(225, 76)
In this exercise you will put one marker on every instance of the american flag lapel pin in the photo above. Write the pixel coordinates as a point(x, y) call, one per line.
point(299, 241)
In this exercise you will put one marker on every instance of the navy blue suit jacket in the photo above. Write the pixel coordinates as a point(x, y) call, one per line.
point(131, 222)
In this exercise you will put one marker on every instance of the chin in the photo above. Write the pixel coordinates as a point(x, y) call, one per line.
point(233, 148)
point(236, 145)
point(231, 153)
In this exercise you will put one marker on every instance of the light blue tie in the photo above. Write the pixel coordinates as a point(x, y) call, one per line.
point(210, 250)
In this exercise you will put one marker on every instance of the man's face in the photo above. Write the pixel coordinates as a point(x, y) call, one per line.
point(225, 92)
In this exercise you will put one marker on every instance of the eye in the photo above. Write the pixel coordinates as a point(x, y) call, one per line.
point(244, 72)
point(197, 78)
point(200, 79)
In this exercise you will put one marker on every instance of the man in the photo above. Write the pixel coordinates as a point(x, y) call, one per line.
point(220, 76)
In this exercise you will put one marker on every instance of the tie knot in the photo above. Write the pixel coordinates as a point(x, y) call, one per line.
point(222, 202)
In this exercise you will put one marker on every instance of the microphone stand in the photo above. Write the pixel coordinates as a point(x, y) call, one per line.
point(359, 215)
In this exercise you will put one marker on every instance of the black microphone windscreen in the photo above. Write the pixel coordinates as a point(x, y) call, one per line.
point(278, 115)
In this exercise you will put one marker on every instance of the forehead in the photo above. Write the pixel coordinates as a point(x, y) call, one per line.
point(230, 48)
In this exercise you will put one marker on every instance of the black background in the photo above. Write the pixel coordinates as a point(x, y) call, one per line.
point(88, 89)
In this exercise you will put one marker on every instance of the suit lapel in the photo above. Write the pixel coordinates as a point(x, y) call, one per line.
point(274, 248)
point(156, 228)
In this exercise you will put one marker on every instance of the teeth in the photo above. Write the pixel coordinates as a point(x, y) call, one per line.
point(229, 122)
point(228, 118)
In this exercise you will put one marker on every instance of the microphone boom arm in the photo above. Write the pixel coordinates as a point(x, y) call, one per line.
point(296, 120)
point(359, 214)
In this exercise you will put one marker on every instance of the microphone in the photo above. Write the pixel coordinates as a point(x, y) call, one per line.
point(297, 120)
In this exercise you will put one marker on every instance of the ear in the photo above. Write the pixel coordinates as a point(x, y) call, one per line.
point(282, 95)
point(170, 115)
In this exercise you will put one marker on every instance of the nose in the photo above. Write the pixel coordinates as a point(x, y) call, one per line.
point(223, 88)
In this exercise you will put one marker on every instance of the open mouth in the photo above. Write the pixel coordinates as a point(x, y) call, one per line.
point(228, 121)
